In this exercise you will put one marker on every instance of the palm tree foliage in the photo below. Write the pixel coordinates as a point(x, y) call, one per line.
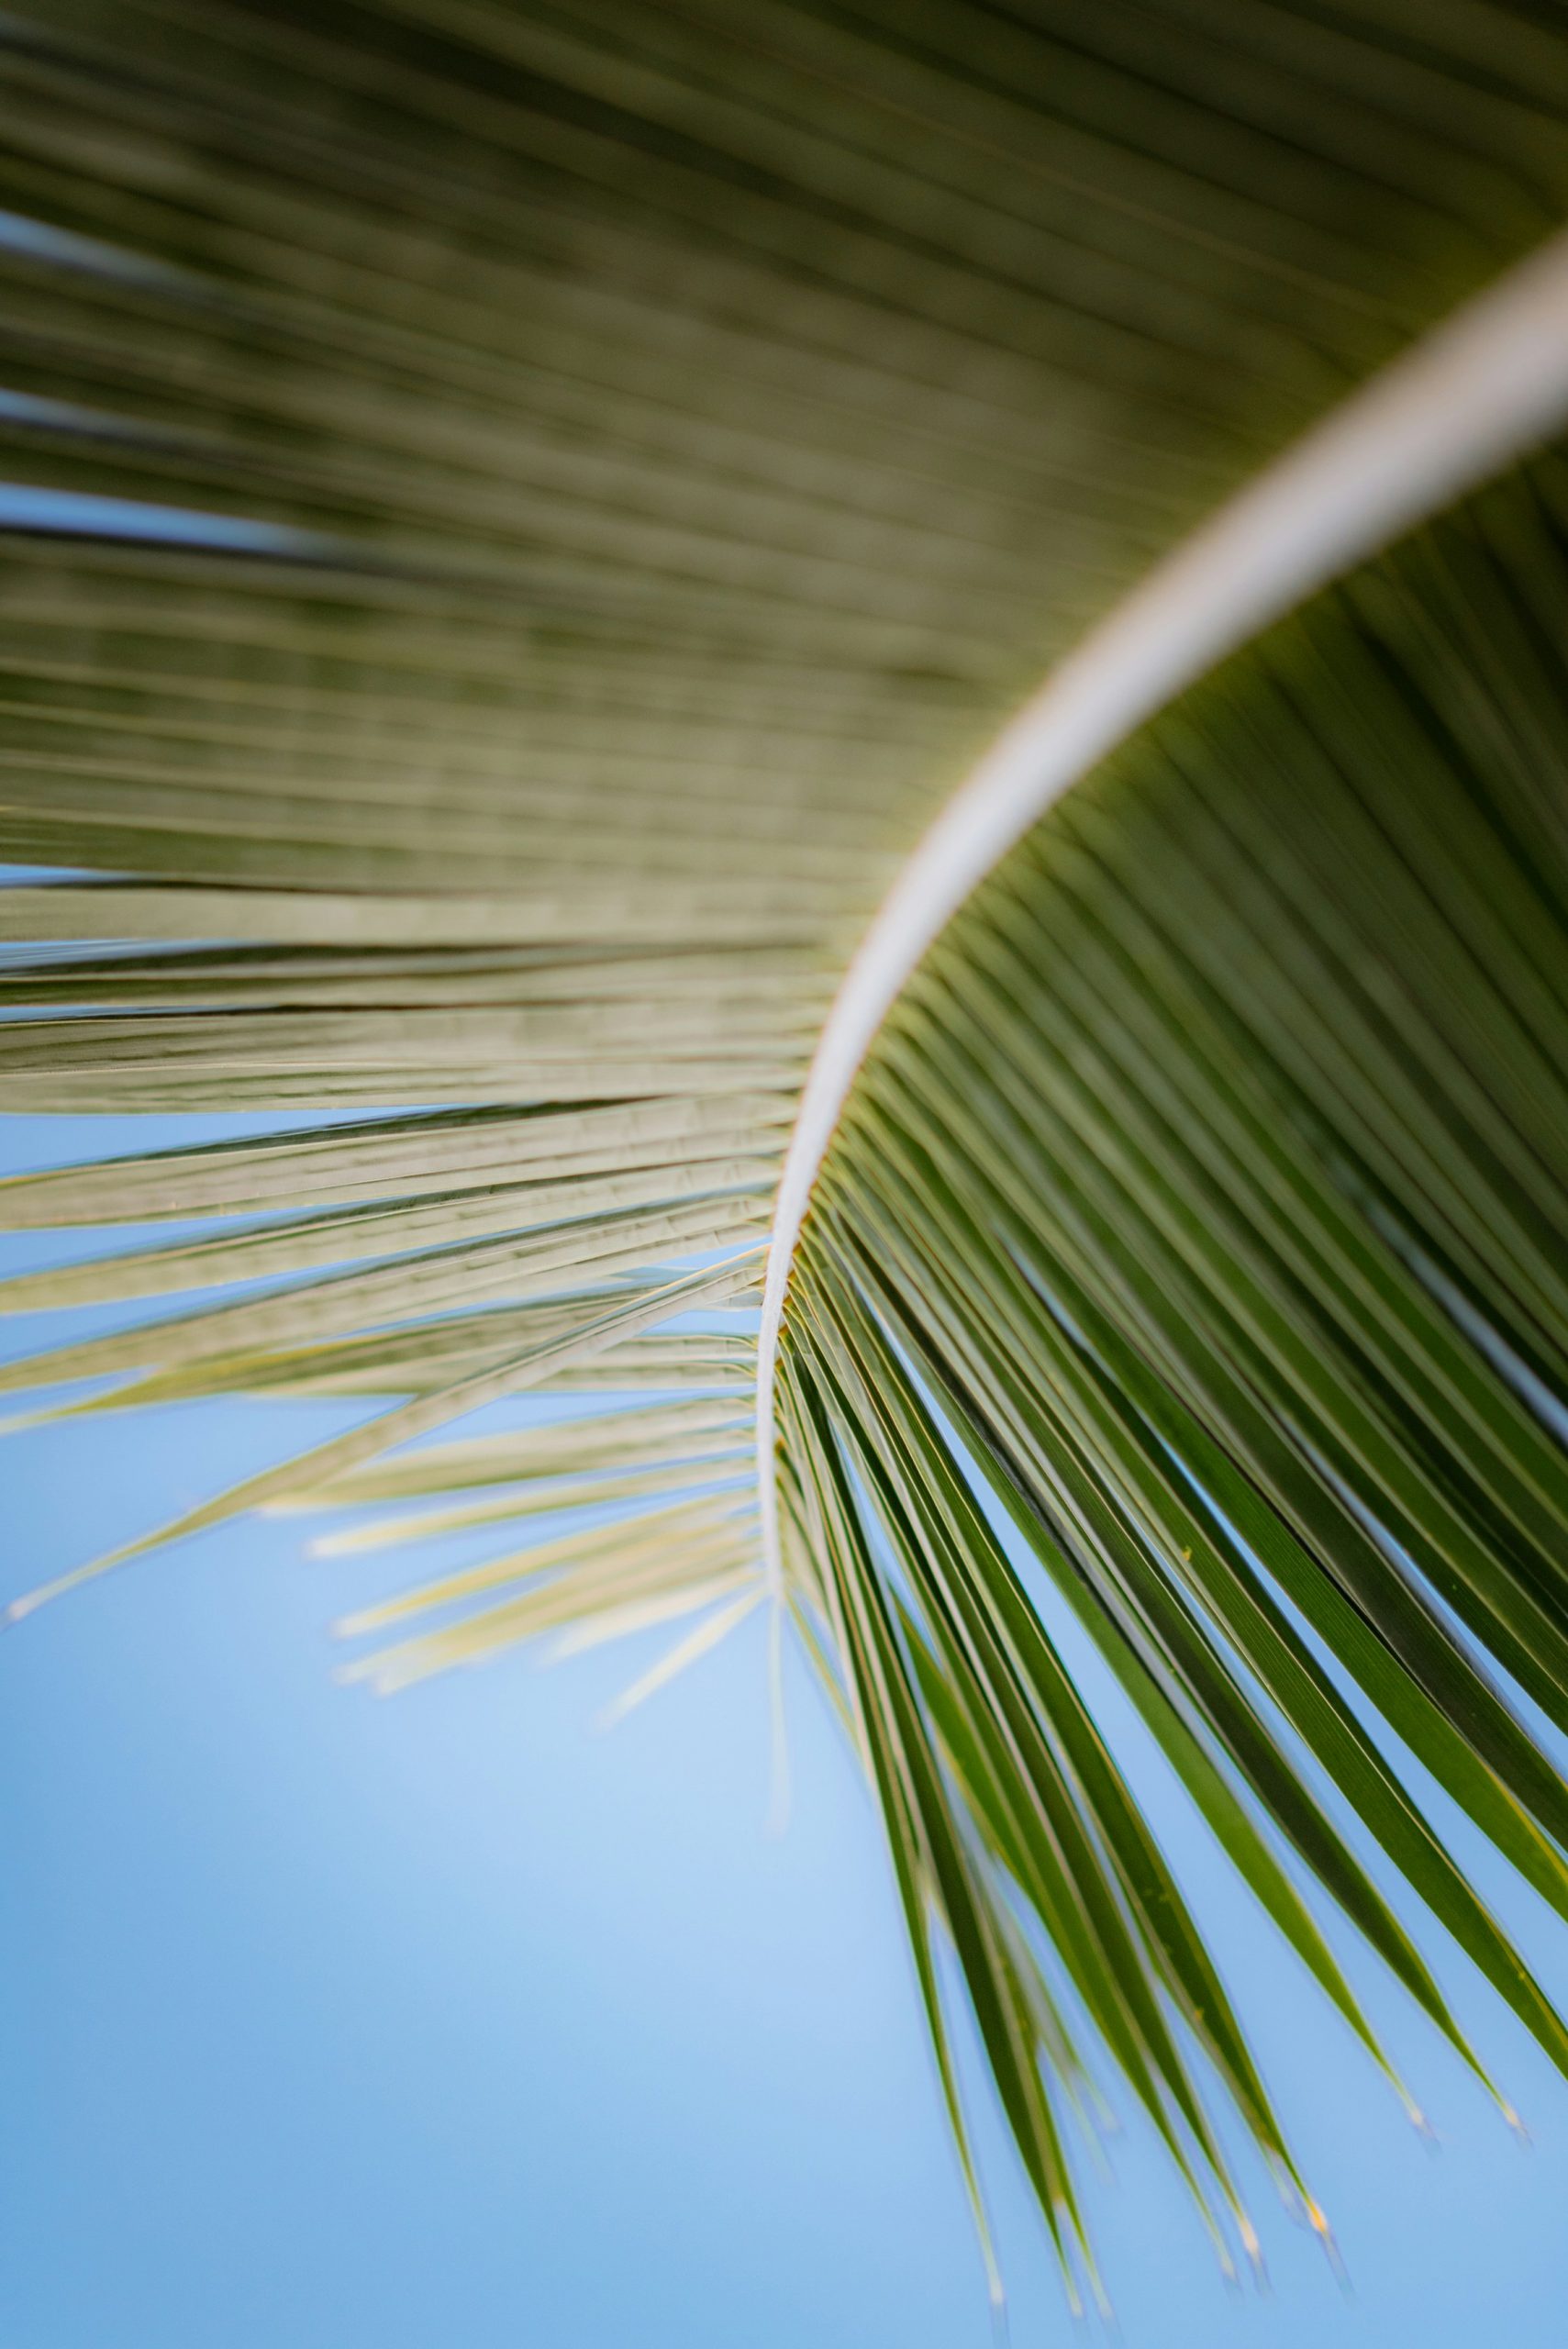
point(519, 516)
point(1207, 1188)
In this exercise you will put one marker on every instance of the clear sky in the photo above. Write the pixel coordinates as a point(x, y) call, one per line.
point(446, 2023)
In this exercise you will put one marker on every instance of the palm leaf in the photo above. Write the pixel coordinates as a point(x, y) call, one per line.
point(519, 519)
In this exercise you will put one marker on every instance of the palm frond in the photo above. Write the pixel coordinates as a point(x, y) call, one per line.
point(519, 518)
point(1204, 1194)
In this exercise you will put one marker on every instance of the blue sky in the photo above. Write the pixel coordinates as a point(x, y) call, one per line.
point(446, 2022)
